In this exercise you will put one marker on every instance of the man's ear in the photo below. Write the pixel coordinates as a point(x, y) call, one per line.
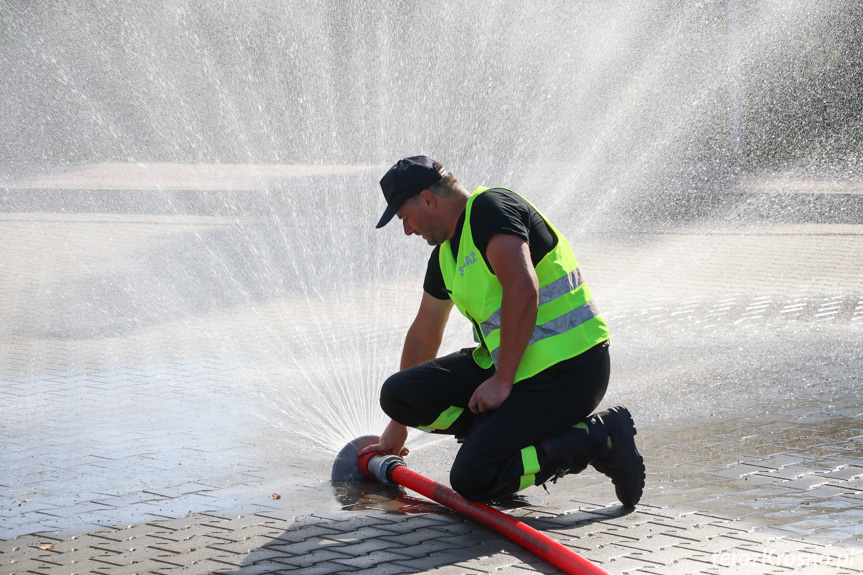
point(428, 198)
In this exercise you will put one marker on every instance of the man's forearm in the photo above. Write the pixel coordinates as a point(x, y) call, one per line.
point(518, 319)
point(417, 350)
point(510, 256)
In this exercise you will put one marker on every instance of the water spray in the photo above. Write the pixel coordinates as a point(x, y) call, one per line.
point(385, 468)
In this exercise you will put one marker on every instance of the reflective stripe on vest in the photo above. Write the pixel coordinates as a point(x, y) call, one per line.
point(554, 327)
point(547, 294)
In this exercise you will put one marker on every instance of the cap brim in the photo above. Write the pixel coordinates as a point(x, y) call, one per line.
point(388, 214)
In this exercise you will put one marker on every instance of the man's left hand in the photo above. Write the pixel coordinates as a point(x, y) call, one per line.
point(490, 395)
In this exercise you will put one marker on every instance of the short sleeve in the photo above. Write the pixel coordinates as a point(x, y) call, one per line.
point(433, 283)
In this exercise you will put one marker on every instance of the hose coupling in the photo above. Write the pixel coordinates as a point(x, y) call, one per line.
point(381, 466)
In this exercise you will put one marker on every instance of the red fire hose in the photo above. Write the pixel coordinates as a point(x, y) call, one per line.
point(389, 468)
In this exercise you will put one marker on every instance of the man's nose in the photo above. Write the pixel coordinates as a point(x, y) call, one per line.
point(408, 229)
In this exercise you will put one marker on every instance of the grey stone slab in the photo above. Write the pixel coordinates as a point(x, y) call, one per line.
point(25, 565)
point(413, 537)
point(441, 563)
point(359, 534)
point(315, 556)
point(653, 542)
point(233, 547)
point(599, 540)
point(370, 559)
point(713, 546)
point(739, 471)
point(781, 460)
point(672, 554)
point(630, 563)
point(429, 547)
point(844, 473)
point(196, 556)
point(308, 531)
point(457, 527)
point(322, 568)
point(260, 568)
point(366, 546)
point(499, 562)
point(301, 546)
point(686, 567)
point(383, 569)
point(796, 471)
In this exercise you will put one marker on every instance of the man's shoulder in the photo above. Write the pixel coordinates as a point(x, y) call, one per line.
point(497, 199)
point(501, 201)
point(496, 194)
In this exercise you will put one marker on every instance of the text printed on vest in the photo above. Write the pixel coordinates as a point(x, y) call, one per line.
point(468, 259)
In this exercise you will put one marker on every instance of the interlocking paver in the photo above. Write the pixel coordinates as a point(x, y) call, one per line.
point(323, 568)
point(314, 556)
point(361, 534)
point(383, 568)
point(370, 558)
point(443, 563)
point(686, 566)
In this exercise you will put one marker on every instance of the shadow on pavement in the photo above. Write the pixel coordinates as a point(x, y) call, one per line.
point(406, 535)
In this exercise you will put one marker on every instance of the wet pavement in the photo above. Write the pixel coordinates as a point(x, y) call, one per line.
point(178, 370)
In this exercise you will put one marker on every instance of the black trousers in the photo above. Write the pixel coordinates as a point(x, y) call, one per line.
point(489, 464)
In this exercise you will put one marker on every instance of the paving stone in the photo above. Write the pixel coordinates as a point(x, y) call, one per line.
point(470, 540)
point(370, 559)
point(653, 542)
point(629, 563)
point(383, 569)
point(684, 567)
point(359, 534)
point(220, 560)
point(713, 545)
point(600, 538)
point(193, 556)
point(237, 548)
point(672, 554)
point(441, 564)
point(781, 460)
point(314, 556)
point(411, 537)
point(844, 473)
point(366, 546)
point(24, 565)
point(499, 562)
point(323, 568)
point(540, 567)
point(308, 530)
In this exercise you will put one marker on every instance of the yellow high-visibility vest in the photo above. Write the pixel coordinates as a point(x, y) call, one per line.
point(568, 322)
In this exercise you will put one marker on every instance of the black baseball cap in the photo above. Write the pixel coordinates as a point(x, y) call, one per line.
point(407, 178)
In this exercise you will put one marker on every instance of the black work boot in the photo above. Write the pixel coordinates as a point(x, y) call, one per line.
point(622, 462)
point(571, 451)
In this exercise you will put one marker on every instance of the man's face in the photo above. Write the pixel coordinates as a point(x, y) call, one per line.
point(418, 217)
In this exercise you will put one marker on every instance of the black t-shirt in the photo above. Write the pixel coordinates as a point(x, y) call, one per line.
point(495, 211)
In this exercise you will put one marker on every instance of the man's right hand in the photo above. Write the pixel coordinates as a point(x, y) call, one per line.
point(391, 442)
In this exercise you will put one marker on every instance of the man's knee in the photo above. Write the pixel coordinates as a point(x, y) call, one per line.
point(471, 481)
point(395, 396)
